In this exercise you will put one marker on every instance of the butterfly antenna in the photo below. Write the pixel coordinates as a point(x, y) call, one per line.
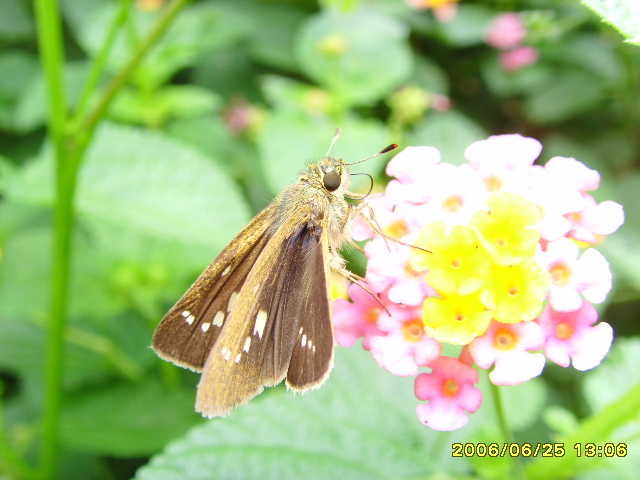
point(335, 137)
point(393, 146)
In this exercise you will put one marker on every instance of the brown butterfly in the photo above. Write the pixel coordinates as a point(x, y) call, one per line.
point(261, 311)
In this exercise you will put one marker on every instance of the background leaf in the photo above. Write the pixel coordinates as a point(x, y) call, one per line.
point(361, 424)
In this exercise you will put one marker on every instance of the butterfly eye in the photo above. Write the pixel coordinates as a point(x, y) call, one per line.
point(331, 181)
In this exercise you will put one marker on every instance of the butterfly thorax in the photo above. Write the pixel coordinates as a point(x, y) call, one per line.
point(330, 209)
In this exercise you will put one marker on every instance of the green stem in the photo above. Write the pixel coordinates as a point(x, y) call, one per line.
point(69, 151)
point(50, 43)
point(119, 80)
point(516, 465)
point(99, 62)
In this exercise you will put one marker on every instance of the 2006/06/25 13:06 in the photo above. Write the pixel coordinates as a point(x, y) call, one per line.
point(533, 450)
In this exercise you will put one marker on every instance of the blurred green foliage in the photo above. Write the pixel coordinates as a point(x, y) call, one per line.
point(222, 112)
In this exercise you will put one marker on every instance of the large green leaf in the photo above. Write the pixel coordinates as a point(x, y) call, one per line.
point(575, 91)
point(360, 425)
point(126, 418)
point(135, 185)
point(359, 57)
point(622, 14)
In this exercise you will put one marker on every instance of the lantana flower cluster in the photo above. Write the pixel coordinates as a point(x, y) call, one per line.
point(498, 270)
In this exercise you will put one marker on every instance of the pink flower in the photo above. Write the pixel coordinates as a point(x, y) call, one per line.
point(569, 336)
point(507, 346)
point(456, 194)
point(358, 319)
point(506, 31)
point(552, 195)
point(413, 167)
point(595, 219)
point(512, 60)
point(450, 391)
point(406, 345)
point(499, 154)
point(391, 270)
point(575, 173)
point(590, 275)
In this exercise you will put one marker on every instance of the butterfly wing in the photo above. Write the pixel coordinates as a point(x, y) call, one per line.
point(281, 313)
point(189, 330)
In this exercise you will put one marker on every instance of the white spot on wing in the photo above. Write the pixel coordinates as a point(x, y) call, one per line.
point(261, 321)
point(218, 319)
point(186, 313)
point(247, 344)
point(300, 331)
point(310, 345)
point(304, 340)
point(190, 319)
point(225, 271)
point(238, 357)
point(256, 288)
point(232, 301)
point(205, 326)
point(224, 351)
point(227, 354)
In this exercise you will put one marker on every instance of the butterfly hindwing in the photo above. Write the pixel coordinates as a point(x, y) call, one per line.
point(286, 288)
point(190, 329)
point(312, 357)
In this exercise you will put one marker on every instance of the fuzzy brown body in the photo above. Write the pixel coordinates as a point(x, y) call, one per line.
point(261, 311)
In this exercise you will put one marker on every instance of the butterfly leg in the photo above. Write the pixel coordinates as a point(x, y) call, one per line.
point(358, 280)
point(375, 226)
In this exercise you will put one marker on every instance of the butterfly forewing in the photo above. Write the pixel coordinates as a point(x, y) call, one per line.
point(189, 330)
point(257, 343)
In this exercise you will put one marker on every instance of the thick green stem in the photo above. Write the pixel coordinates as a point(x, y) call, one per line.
point(518, 469)
point(50, 43)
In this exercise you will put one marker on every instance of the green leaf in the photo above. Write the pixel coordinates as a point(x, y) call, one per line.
point(594, 54)
point(619, 372)
point(18, 67)
point(450, 132)
point(16, 21)
point(622, 14)
point(31, 110)
point(360, 425)
point(272, 39)
point(613, 390)
point(195, 31)
point(525, 81)
point(574, 91)
point(138, 183)
point(359, 57)
point(22, 346)
point(172, 101)
point(621, 248)
point(127, 419)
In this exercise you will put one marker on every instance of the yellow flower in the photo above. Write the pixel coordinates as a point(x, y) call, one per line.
point(455, 319)
point(515, 293)
point(503, 230)
point(457, 265)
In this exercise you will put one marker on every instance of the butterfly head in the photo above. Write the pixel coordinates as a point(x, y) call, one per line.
point(330, 174)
